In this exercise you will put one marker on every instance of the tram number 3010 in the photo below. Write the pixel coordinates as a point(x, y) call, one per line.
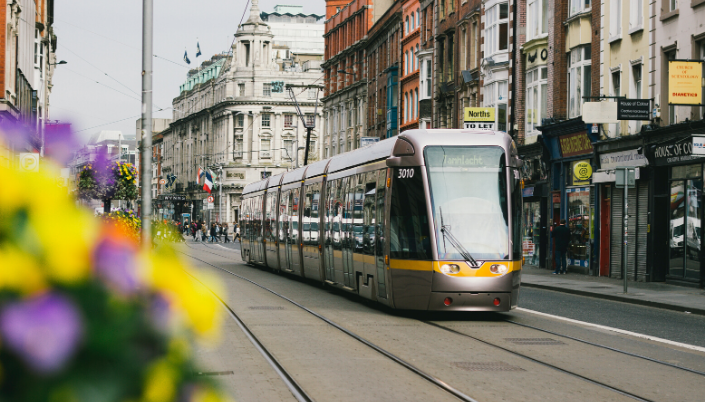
point(406, 173)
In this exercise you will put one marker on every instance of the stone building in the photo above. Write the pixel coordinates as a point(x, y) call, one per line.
point(236, 117)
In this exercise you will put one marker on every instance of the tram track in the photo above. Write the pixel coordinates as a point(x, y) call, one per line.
point(452, 390)
point(435, 381)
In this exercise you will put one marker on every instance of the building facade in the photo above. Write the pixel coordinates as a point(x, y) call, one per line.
point(237, 118)
point(27, 56)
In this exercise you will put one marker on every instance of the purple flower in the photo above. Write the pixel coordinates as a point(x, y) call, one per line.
point(115, 264)
point(160, 312)
point(43, 331)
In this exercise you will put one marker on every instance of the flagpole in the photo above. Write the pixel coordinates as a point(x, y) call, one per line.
point(146, 122)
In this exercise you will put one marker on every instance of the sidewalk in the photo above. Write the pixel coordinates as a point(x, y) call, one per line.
point(653, 294)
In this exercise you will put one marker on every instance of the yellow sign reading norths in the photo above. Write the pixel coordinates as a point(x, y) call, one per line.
point(684, 82)
point(479, 114)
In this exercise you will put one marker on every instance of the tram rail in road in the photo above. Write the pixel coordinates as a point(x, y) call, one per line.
point(449, 388)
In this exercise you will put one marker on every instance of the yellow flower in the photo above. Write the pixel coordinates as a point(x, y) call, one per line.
point(208, 394)
point(20, 271)
point(160, 384)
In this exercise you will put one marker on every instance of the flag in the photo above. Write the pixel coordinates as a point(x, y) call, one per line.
point(170, 180)
point(198, 49)
point(200, 173)
point(186, 57)
point(207, 182)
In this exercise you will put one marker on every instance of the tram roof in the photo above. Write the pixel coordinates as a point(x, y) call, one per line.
point(275, 180)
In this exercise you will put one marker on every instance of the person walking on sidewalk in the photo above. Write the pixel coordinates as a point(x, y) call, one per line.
point(561, 238)
point(225, 233)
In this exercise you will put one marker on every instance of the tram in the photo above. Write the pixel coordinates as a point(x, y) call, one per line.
point(426, 220)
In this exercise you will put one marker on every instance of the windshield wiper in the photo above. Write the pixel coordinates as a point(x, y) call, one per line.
point(463, 251)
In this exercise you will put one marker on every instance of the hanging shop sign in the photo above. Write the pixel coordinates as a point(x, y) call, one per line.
point(479, 118)
point(623, 158)
point(685, 82)
point(582, 172)
point(366, 141)
point(171, 197)
point(633, 109)
point(575, 144)
point(677, 151)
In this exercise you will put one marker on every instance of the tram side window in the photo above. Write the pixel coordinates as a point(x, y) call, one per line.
point(517, 209)
point(307, 213)
point(273, 216)
point(409, 233)
point(357, 223)
point(315, 206)
point(295, 203)
point(379, 233)
point(267, 215)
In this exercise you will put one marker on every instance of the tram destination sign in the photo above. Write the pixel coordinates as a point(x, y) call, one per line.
point(633, 109)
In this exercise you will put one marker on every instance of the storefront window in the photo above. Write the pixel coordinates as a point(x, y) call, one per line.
point(531, 232)
point(579, 225)
point(685, 228)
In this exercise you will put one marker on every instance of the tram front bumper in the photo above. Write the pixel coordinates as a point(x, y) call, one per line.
point(470, 301)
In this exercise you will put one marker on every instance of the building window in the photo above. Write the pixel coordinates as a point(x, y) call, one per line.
point(428, 78)
point(673, 5)
point(636, 91)
point(416, 103)
point(579, 79)
point(265, 149)
point(266, 120)
point(497, 29)
point(238, 148)
point(615, 19)
point(288, 149)
point(417, 18)
point(463, 49)
point(406, 25)
point(266, 89)
point(578, 6)
point(406, 107)
point(310, 120)
point(537, 19)
point(239, 120)
point(496, 97)
point(636, 14)
point(241, 89)
point(288, 120)
point(312, 92)
point(536, 98)
point(350, 120)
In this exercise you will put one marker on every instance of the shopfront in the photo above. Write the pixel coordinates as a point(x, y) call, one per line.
point(613, 154)
point(572, 191)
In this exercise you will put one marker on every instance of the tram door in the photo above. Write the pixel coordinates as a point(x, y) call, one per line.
point(259, 232)
point(349, 243)
point(293, 249)
point(328, 229)
point(284, 229)
point(339, 231)
point(379, 234)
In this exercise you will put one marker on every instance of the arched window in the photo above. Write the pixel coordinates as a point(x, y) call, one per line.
point(416, 103)
point(406, 63)
point(413, 22)
point(406, 108)
point(417, 57)
point(406, 25)
point(417, 17)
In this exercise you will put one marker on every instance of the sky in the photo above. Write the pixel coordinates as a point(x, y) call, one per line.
point(100, 86)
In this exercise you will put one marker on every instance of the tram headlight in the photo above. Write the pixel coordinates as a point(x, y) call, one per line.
point(450, 268)
point(498, 269)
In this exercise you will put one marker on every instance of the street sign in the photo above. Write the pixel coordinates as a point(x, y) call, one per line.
point(698, 145)
point(162, 182)
point(211, 206)
point(29, 162)
point(211, 199)
point(625, 177)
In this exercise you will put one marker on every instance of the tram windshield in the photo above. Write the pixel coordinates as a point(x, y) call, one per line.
point(469, 194)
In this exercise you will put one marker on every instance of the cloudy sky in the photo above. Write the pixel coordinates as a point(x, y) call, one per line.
point(99, 88)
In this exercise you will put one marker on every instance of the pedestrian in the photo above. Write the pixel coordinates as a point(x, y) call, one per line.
point(212, 233)
point(194, 228)
point(225, 233)
point(204, 231)
point(237, 233)
point(561, 238)
point(217, 233)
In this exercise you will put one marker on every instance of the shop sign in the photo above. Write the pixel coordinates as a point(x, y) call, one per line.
point(582, 172)
point(172, 197)
point(676, 152)
point(633, 109)
point(528, 247)
point(685, 82)
point(610, 176)
point(630, 158)
point(479, 118)
point(236, 174)
point(698, 145)
point(575, 144)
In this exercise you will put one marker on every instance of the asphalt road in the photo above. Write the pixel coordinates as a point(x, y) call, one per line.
point(666, 324)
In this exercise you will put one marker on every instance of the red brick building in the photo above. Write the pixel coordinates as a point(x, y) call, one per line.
point(409, 74)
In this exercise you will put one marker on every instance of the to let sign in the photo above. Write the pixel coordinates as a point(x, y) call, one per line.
point(633, 109)
point(575, 144)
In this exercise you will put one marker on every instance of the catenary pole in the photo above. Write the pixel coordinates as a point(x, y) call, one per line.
point(146, 149)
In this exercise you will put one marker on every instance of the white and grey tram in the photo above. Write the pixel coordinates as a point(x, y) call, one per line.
point(426, 220)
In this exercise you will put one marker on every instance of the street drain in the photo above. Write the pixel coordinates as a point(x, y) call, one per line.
point(216, 373)
point(265, 308)
point(534, 341)
point(486, 366)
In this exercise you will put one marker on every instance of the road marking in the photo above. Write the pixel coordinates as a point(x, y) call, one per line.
point(617, 330)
